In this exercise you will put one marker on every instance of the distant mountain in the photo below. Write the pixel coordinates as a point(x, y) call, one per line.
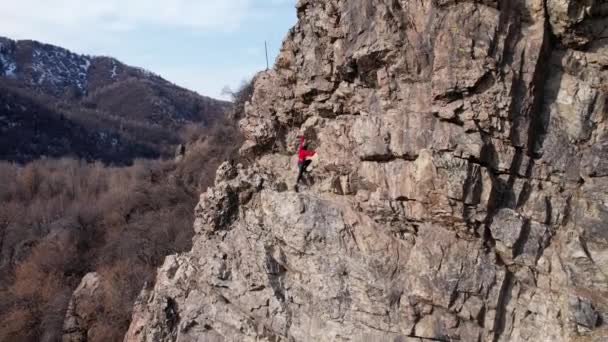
point(54, 102)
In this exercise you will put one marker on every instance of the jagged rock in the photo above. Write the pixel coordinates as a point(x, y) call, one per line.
point(577, 23)
point(517, 237)
point(460, 192)
point(76, 323)
point(584, 313)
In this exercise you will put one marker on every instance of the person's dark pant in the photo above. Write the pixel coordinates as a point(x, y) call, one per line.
point(302, 168)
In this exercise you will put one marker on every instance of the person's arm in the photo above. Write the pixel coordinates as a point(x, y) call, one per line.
point(301, 142)
point(310, 153)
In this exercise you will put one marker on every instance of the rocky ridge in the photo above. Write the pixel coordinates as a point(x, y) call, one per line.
point(461, 191)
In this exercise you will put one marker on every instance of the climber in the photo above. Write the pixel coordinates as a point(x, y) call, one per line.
point(303, 163)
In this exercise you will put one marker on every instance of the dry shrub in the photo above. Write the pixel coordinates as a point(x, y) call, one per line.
point(7, 171)
point(41, 274)
point(28, 181)
point(14, 324)
point(193, 132)
point(40, 292)
point(204, 155)
point(240, 97)
point(60, 219)
point(63, 218)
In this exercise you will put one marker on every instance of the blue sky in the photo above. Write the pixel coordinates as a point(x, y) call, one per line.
point(203, 45)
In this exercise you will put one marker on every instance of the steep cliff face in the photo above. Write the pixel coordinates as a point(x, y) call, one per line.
point(461, 191)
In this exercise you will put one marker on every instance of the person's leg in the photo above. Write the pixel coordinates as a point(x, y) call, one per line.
point(307, 163)
point(304, 167)
point(300, 173)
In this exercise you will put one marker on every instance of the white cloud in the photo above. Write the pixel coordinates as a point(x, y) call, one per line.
point(109, 27)
point(37, 17)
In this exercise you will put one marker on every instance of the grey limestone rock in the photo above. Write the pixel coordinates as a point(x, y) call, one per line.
point(460, 191)
point(76, 324)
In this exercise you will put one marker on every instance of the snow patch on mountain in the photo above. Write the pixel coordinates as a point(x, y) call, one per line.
point(10, 70)
point(87, 64)
point(60, 68)
point(7, 64)
point(113, 73)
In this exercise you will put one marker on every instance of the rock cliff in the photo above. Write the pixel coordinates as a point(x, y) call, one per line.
point(461, 191)
point(81, 310)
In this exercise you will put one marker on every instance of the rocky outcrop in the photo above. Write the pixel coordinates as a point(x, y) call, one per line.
point(81, 309)
point(460, 192)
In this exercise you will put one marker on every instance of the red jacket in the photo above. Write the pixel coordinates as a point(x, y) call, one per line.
point(302, 153)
